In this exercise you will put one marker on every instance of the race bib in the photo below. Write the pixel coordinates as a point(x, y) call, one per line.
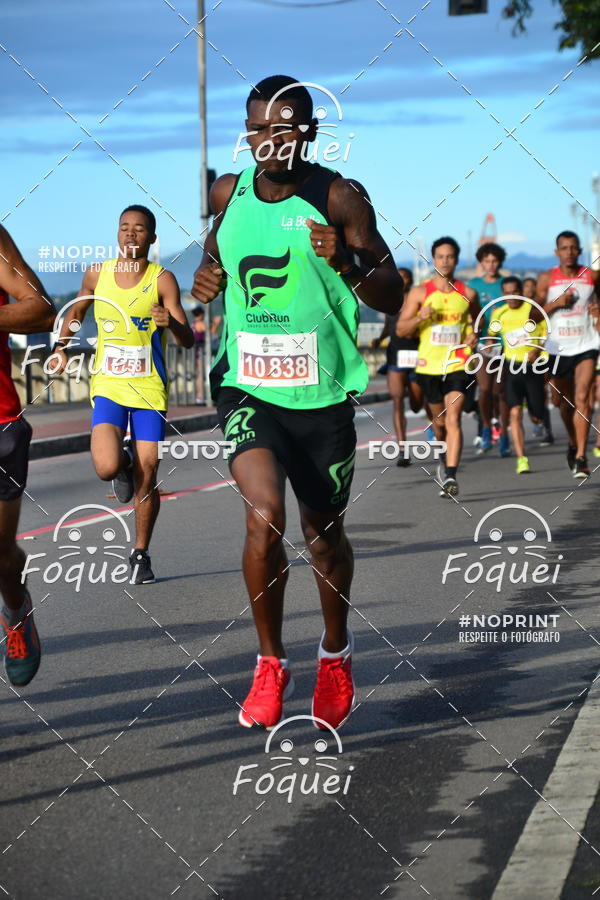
point(571, 325)
point(445, 335)
point(571, 331)
point(126, 362)
point(274, 360)
point(407, 359)
point(518, 337)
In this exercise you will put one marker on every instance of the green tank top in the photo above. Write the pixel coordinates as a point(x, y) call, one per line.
point(290, 321)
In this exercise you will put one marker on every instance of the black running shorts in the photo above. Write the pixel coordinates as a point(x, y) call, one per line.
point(15, 437)
point(435, 387)
point(566, 365)
point(526, 386)
point(316, 447)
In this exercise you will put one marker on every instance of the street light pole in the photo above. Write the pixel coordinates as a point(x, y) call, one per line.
point(204, 210)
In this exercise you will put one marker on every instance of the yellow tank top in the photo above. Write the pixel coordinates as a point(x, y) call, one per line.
point(129, 364)
point(447, 328)
point(517, 341)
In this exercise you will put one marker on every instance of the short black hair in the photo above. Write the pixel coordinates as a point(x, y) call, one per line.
point(445, 240)
point(267, 88)
point(530, 278)
point(513, 279)
point(136, 207)
point(198, 310)
point(407, 272)
point(568, 234)
point(490, 247)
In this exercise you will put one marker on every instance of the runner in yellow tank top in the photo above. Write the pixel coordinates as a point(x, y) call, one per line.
point(135, 302)
point(129, 364)
point(441, 312)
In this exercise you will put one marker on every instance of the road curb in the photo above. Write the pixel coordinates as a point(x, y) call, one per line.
point(64, 444)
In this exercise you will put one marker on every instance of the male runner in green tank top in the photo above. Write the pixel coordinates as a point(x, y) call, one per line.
point(296, 244)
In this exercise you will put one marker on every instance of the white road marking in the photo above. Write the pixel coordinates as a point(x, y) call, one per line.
point(543, 855)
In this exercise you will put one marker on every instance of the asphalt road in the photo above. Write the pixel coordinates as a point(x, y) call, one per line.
point(121, 759)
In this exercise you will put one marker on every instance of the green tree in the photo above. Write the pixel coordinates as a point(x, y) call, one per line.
point(580, 23)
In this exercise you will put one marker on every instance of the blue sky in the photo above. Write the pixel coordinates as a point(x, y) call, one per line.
point(418, 132)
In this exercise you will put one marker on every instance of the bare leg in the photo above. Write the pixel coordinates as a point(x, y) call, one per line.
point(415, 395)
point(438, 420)
point(12, 557)
point(597, 426)
point(562, 396)
point(484, 384)
point(397, 387)
point(146, 497)
point(261, 480)
point(516, 429)
point(455, 400)
point(333, 565)
point(584, 377)
point(108, 456)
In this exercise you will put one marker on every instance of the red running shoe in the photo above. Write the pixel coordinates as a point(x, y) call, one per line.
point(263, 707)
point(334, 696)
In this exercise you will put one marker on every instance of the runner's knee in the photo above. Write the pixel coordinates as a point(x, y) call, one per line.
point(326, 542)
point(106, 469)
point(582, 395)
point(265, 524)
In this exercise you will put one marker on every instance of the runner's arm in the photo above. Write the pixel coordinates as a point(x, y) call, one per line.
point(33, 311)
point(541, 295)
point(595, 298)
point(376, 281)
point(384, 333)
point(410, 318)
point(170, 313)
point(474, 311)
point(58, 359)
point(208, 277)
point(78, 310)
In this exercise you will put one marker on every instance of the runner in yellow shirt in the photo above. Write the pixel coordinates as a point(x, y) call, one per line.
point(440, 312)
point(135, 302)
point(524, 362)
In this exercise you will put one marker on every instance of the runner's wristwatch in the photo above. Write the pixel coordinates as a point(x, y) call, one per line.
point(354, 270)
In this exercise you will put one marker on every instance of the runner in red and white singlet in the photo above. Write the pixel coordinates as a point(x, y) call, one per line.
point(568, 293)
point(31, 313)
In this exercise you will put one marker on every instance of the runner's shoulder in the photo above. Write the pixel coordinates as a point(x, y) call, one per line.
point(221, 192)
point(90, 278)
point(347, 196)
point(167, 283)
point(545, 278)
point(417, 294)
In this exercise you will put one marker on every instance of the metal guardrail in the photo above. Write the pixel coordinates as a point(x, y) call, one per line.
point(186, 373)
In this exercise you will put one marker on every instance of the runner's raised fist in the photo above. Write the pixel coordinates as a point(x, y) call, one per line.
point(208, 282)
point(326, 243)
